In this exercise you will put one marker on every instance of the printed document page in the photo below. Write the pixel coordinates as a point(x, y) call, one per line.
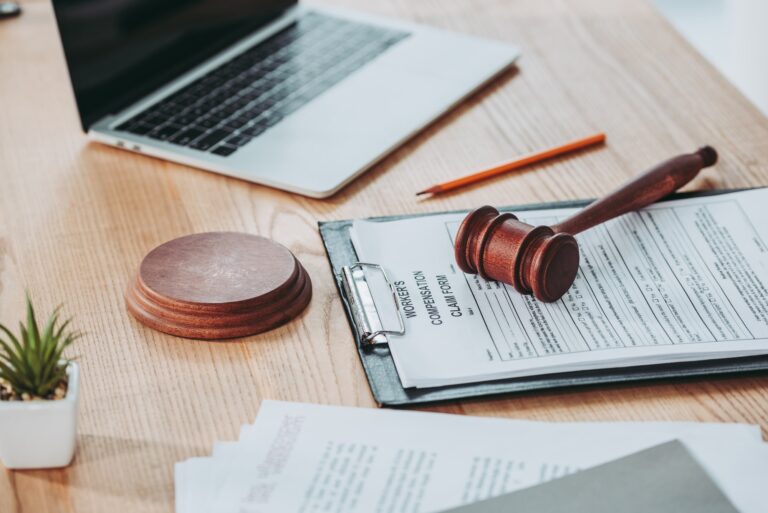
point(311, 459)
point(662, 479)
point(679, 281)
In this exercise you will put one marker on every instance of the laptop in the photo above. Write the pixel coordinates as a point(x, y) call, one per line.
point(294, 97)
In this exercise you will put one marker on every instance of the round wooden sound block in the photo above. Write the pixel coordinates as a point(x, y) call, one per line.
point(218, 285)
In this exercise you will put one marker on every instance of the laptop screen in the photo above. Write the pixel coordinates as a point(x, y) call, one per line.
point(118, 51)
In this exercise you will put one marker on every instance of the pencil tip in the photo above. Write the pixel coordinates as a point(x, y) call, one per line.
point(420, 193)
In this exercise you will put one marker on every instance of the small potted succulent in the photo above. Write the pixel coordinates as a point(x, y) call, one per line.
point(39, 392)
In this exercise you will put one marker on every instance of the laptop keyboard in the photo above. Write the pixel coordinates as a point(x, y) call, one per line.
point(241, 99)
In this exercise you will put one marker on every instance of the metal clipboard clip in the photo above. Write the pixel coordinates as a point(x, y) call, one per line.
point(359, 299)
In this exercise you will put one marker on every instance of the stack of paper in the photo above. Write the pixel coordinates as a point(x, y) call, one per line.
point(679, 281)
point(310, 458)
point(663, 479)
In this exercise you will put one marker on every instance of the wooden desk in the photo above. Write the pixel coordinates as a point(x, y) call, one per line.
point(77, 217)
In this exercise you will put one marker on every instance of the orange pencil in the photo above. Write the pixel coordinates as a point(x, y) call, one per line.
point(519, 162)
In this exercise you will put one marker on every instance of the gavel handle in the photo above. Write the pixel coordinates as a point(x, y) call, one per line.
point(654, 184)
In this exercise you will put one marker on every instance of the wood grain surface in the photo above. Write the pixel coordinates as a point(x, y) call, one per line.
point(77, 217)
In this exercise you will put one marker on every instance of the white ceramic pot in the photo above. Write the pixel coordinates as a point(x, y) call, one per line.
point(40, 434)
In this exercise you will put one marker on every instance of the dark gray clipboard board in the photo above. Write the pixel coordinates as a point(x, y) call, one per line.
point(385, 382)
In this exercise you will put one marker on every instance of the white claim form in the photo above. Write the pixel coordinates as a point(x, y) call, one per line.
point(301, 458)
point(679, 281)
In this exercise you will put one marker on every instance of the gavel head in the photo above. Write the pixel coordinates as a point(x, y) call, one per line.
point(534, 259)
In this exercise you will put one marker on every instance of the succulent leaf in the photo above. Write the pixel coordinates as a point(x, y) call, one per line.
point(32, 362)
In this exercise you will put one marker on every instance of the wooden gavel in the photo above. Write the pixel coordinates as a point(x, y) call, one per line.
point(544, 260)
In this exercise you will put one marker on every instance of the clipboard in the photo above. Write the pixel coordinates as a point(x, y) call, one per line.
point(371, 336)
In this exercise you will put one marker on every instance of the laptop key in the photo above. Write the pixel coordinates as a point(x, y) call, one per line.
point(208, 122)
point(209, 139)
point(239, 121)
point(224, 150)
point(184, 119)
point(254, 130)
point(138, 128)
point(165, 132)
point(238, 140)
point(186, 136)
